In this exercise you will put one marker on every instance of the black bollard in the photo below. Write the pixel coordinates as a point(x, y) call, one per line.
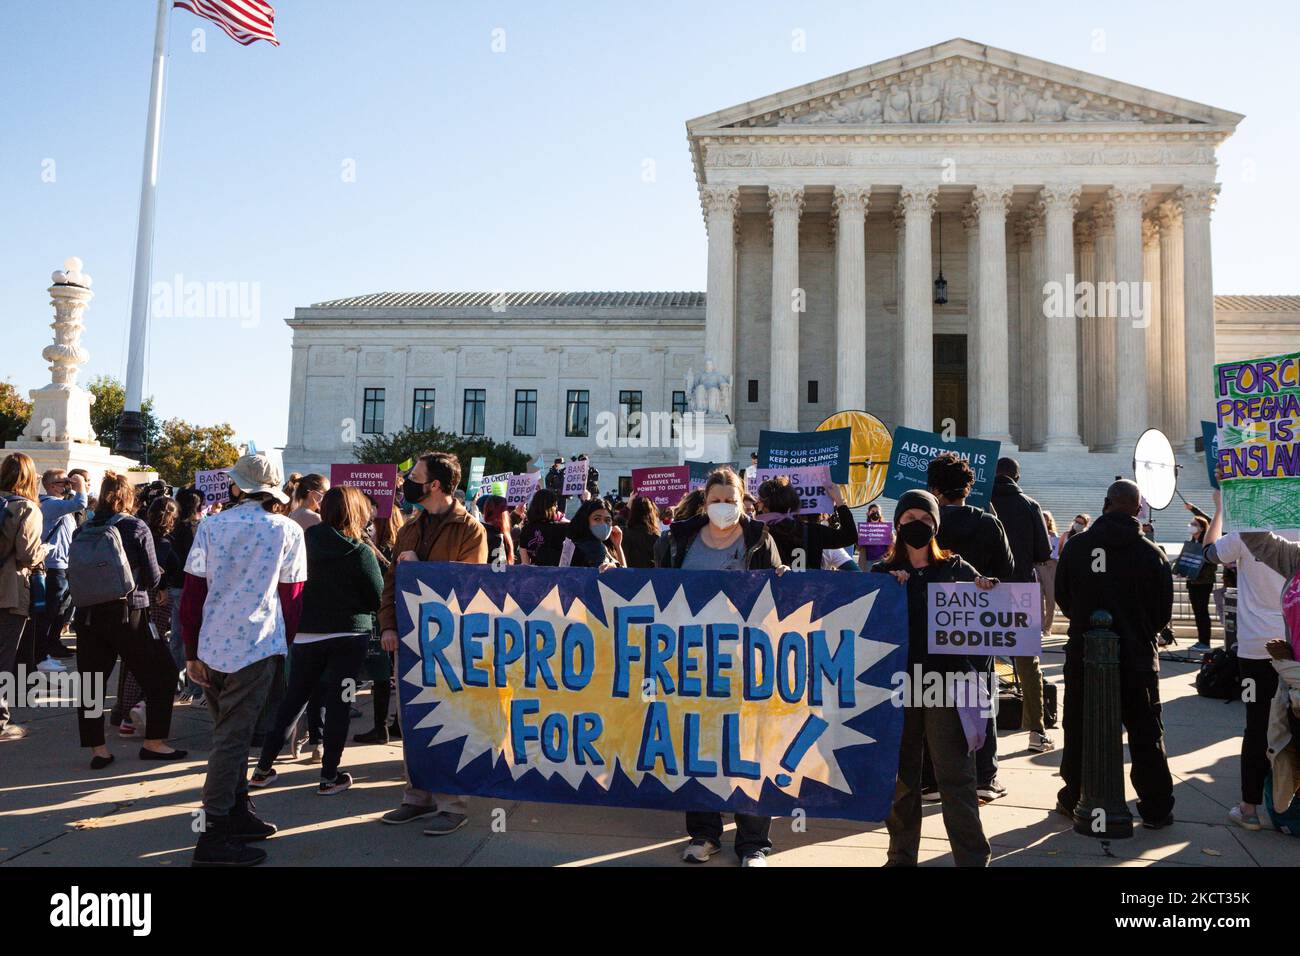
point(1102, 811)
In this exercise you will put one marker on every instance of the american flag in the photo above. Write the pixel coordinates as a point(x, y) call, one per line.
point(244, 21)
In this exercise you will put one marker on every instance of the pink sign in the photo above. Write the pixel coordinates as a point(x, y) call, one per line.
point(521, 488)
point(812, 485)
point(378, 481)
point(663, 486)
point(875, 534)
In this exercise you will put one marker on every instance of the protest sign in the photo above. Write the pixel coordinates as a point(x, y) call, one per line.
point(1257, 408)
point(913, 450)
point(659, 689)
point(1005, 621)
point(875, 534)
point(700, 471)
point(806, 450)
point(1210, 444)
point(494, 484)
point(663, 486)
point(812, 485)
point(475, 481)
point(575, 476)
point(214, 484)
point(377, 481)
point(521, 488)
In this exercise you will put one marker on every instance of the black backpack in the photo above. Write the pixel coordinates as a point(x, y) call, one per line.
point(1218, 677)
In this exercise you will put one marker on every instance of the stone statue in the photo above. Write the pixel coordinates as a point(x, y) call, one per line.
point(1048, 109)
point(871, 109)
point(986, 101)
point(926, 104)
point(898, 105)
point(957, 98)
point(708, 393)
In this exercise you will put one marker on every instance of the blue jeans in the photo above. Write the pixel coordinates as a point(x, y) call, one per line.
point(56, 613)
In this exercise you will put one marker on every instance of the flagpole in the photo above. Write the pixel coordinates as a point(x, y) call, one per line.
point(130, 428)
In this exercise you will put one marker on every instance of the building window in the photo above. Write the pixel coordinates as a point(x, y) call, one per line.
point(630, 404)
point(753, 390)
point(526, 411)
point(422, 409)
point(576, 411)
point(812, 391)
point(372, 412)
point(474, 421)
point(679, 403)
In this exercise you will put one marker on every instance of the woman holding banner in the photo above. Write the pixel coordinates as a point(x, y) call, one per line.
point(597, 543)
point(723, 539)
point(642, 533)
point(942, 729)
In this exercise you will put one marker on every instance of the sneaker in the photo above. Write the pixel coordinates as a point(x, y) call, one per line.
point(407, 813)
point(699, 851)
point(220, 849)
point(12, 732)
point(1165, 821)
point(317, 752)
point(1200, 647)
point(929, 796)
point(754, 859)
point(262, 778)
point(440, 824)
point(52, 666)
point(1246, 822)
point(126, 729)
point(990, 791)
point(340, 783)
point(246, 825)
point(1040, 743)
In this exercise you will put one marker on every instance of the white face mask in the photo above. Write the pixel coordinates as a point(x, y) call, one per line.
point(724, 514)
point(1077, 526)
point(1193, 528)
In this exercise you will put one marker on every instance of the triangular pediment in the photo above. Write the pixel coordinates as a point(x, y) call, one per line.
point(963, 83)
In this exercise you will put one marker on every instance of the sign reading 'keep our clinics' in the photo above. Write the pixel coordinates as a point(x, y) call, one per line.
point(661, 689)
point(785, 450)
point(910, 457)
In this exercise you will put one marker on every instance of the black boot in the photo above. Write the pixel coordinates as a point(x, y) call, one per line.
point(245, 824)
point(377, 736)
point(394, 730)
point(217, 847)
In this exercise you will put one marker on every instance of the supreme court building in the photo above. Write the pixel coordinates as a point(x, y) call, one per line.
point(832, 210)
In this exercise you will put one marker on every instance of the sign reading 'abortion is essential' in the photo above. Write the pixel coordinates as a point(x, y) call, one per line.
point(910, 457)
point(1258, 452)
point(662, 689)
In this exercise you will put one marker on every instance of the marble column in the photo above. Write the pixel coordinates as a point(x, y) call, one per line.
point(970, 221)
point(786, 205)
point(1085, 234)
point(1059, 202)
point(720, 205)
point(900, 283)
point(1019, 325)
point(1103, 220)
point(993, 382)
point(1155, 368)
point(1035, 329)
point(1173, 357)
point(918, 308)
point(850, 210)
point(1131, 418)
point(1197, 202)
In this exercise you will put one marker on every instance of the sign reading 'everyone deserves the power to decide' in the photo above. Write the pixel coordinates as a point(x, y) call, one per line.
point(662, 689)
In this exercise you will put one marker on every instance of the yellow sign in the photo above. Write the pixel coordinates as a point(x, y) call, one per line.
point(868, 455)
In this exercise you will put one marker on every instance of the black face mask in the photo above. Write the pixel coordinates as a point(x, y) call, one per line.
point(915, 534)
point(412, 491)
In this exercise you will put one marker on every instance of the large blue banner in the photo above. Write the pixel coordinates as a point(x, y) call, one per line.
point(663, 689)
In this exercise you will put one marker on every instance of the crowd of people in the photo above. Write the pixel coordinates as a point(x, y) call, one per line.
point(273, 609)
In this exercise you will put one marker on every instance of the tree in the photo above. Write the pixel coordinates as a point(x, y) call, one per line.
point(398, 447)
point(182, 449)
point(110, 398)
point(14, 412)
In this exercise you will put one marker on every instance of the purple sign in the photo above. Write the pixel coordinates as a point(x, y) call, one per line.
point(663, 486)
point(875, 534)
point(812, 485)
point(377, 481)
point(1005, 621)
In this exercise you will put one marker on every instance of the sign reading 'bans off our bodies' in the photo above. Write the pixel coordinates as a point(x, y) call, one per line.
point(812, 485)
point(910, 457)
point(662, 689)
point(1257, 412)
point(1006, 621)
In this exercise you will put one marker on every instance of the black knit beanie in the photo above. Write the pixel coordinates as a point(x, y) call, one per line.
point(917, 499)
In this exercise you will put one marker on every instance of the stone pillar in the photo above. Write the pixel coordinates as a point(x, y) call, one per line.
point(993, 382)
point(1059, 202)
point(1197, 202)
point(970, 221)
point(786, 205)
point(61, 410)
point(1172, 355)
point(720, 204)
point(1131, 417)
point(1035, 329)
point(918, 309)
point(900, 284)
point(1085, 234)
point(850, 210)
point(1103, 220)
point(1155, 368)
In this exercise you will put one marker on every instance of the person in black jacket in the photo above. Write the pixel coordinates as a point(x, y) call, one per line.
point(1026, 530)
point(597, 541)
point(1112, 567)
point(542, 535)
point(555, 483)
point(794, 536)
point(978, 537)
point(916, 560)
point(642, 533)
point(722, 538)
point(1201, 584)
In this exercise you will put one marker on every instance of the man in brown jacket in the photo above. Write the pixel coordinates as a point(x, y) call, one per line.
point(444, 532)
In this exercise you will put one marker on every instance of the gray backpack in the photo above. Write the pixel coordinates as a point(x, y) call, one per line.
point(98, 569)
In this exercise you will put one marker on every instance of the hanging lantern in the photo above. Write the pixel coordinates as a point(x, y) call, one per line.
point(940, 283)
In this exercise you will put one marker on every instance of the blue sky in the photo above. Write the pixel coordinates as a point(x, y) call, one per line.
point(477, 169)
